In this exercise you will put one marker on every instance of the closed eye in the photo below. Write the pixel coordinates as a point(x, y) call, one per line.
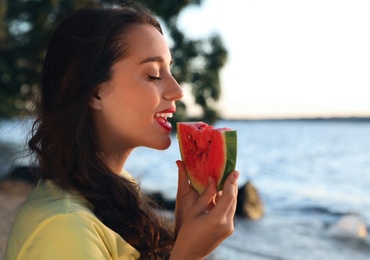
point(154, 77)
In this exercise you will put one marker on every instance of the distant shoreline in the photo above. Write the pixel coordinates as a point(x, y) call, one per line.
point(305, 119)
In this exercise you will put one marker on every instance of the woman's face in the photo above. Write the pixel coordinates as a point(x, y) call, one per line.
point(135, 104)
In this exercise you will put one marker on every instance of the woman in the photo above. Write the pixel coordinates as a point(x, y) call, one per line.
point(107, 88)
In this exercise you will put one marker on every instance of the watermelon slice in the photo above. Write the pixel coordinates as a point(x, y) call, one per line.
point(206, 151)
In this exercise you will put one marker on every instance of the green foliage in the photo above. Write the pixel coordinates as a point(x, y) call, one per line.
point(26, 26)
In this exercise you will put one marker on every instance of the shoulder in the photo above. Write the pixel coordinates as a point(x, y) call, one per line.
point(54, 222)
point(74, 236)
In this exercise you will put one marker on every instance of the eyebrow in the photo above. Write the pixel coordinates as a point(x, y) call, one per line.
point(157, 59)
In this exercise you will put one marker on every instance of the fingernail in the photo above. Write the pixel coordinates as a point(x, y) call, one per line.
point(178, 164)
point(236, 174)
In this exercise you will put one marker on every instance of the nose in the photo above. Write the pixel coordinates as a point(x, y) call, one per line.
point(173, 90)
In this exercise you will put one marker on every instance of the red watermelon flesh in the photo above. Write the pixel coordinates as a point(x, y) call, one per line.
point(206, 151)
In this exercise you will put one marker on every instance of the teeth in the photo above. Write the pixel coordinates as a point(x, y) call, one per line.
point(164, 115)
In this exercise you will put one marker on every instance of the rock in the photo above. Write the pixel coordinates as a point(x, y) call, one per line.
point(349, 226)
point(23, 173)
point(249, 203)
point(162, 201)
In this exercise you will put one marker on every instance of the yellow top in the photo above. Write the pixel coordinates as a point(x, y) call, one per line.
point(55, 224)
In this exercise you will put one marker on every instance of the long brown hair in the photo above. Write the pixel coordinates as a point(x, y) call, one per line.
point(80, 55)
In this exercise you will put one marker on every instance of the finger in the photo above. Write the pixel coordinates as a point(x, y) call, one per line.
point(207, 197)
point(231, 212)
point(213, 202)
point(180, 166)
point(226, 204)
point(218, 195)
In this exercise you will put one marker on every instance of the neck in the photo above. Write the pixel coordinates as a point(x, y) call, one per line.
point(116, 160)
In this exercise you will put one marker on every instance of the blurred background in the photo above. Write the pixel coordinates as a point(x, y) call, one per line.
point(291, 76)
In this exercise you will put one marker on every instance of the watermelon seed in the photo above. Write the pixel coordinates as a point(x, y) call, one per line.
point(209, 147)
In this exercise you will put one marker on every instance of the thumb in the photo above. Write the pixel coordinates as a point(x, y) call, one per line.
point(183, 183)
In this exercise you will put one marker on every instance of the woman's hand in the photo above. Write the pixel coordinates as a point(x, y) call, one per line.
point(203, 221)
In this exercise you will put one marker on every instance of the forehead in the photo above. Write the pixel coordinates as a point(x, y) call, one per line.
point(146, 41)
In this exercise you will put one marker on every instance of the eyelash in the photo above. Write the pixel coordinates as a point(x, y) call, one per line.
point(154, 78)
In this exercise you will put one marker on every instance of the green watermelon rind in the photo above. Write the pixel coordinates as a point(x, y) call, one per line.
point(230, 138)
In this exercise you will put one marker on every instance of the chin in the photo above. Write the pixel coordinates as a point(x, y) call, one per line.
point(162, 145)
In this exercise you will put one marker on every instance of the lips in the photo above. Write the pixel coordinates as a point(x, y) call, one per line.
point(162, 116)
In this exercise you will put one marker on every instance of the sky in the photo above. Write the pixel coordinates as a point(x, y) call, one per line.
point(288, 58)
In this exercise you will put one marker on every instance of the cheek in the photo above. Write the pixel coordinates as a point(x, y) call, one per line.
point(145, 98)
point(136, 109)
point(136, 103)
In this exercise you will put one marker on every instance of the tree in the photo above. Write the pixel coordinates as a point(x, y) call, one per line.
point(26, 26)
